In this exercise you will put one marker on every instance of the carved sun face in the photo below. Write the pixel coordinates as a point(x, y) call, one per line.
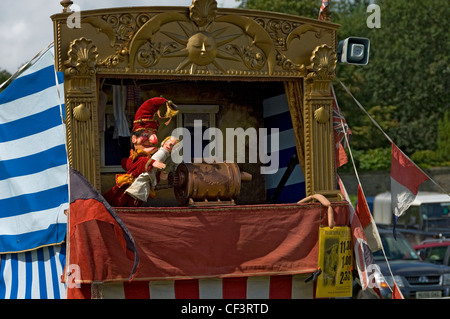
point(202, 49)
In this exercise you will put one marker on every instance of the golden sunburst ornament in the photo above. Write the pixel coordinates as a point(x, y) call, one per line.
point(201, 46)
point(202, 41)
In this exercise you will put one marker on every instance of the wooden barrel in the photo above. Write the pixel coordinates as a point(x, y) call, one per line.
point(208, 184)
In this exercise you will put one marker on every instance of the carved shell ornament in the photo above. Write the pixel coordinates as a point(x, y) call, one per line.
point(321, 115)
point(323, 62)
point(82, 57)
point(81, 113)
point(203, 12)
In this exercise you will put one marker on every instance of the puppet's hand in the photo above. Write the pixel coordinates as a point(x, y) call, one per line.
point(159, 164)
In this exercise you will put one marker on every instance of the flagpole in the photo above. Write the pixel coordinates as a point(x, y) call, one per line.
point(359, 181)
point(345, 134)
point(362, 108)
point(66, 270)
point(388, 138)
point(25, 66)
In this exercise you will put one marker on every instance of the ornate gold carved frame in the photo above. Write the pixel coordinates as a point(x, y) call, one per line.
point(201, 42)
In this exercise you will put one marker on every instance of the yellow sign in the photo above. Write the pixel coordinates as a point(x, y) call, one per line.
point(336, 262)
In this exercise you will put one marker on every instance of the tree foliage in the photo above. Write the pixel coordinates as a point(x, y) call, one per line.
point(4, 76)
point(376, 159)
point(305, 8)
point(443, 141)
point(406, 83)
point(409, 68)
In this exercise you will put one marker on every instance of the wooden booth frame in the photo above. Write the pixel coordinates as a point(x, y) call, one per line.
point(204, 42)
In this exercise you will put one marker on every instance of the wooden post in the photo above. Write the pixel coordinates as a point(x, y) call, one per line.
point(320, 168)
point(81, 110)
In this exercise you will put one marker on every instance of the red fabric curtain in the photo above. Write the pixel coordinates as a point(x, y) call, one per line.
point(204, 242)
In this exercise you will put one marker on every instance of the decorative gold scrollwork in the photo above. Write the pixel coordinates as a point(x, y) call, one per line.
point(253, 58)
point(205, 43)
point(289, 66)
point(148, 55)
point(298, 32)
point(119, 29)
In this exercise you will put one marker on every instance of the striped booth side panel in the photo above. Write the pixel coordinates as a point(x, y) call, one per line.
point(33, 274)
point(261, 287)
point(277, 116)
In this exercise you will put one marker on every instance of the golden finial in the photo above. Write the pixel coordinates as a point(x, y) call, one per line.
point(66, 4)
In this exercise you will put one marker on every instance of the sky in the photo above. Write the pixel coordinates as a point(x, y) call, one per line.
point(26, 27)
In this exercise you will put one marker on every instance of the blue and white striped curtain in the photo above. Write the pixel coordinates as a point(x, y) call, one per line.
point(34, 274)
point(277, 115)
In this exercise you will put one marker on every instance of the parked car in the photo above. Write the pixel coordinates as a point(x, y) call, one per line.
point(436, 251)
point(415, 278)
point(427, 217)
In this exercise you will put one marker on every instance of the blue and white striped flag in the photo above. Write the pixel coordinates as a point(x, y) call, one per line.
point(33, 159)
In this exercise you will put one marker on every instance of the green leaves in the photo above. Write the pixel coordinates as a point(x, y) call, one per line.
point(4, 75)
point(405, 86)
point(409, 69)
point(305, 8)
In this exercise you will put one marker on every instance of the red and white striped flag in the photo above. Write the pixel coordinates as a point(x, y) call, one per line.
point(406, 178)
point(367, 222)
point(322, 7)
point(363, 254)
